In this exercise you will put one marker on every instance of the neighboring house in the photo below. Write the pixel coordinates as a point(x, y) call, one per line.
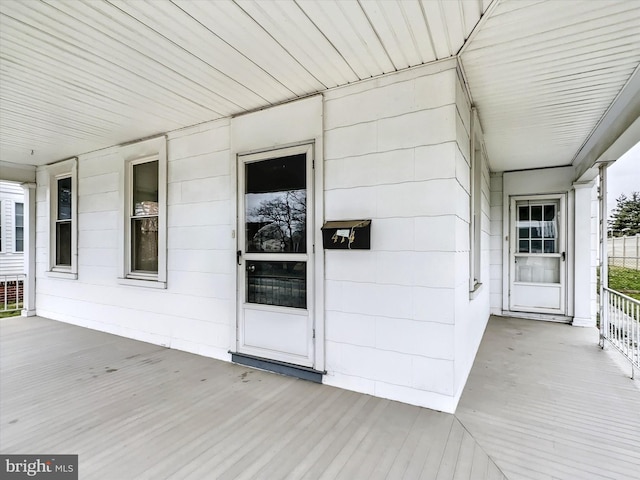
point(206, 234)
point(11, 228)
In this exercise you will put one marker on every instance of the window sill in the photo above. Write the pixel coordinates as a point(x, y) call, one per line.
point(476, 291)
point(59, 274)
point(137, 282)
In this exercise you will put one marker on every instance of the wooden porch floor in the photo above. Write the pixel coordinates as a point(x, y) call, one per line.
point(542, 400)
point(545, 402)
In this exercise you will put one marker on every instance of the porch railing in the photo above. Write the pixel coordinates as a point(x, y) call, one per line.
point(12, 292)
point(621, 325)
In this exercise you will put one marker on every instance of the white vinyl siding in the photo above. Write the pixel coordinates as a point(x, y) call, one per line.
point(471, 307)
point(497, 242)
point(11, 261)
point(391, 156)
point(196, 310)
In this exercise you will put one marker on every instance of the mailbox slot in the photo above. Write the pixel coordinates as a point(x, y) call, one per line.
point(347, 235)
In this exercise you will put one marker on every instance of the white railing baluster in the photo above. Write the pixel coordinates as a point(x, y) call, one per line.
point(15, 284)
point(621, 325)
point(627, 325)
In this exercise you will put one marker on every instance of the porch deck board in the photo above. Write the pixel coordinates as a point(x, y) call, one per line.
point(545, 402)
point(132, 410)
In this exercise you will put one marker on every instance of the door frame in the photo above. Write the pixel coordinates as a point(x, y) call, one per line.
point(563, 244)
point(314, 343)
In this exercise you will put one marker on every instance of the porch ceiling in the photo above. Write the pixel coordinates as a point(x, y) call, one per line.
point(542, 75)
point(76, 76)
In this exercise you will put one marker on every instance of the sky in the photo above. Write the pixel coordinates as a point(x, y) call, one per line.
point(623, 176)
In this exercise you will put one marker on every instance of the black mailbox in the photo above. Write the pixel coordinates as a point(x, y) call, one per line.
point(347, 234)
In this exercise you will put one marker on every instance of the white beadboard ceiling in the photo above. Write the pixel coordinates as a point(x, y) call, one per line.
point(543, 73)
point(79, 75)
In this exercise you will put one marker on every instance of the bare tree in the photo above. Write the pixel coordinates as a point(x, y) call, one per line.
point(288, 212)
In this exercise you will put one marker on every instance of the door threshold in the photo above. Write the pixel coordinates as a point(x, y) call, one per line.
point(283, 368)
point(545, 317)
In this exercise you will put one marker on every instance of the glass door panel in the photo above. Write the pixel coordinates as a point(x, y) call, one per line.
point(275, 204)
point(277, 283)
point(537, 257)
point(538, 269)
point(537, 231)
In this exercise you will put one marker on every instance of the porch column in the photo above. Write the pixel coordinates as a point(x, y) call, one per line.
point(584, 249)
point(29, 305)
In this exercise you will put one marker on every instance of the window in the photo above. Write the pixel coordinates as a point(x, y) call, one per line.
point(63, 220)
point(144, 188)
point(64, 223)
point(19, 227)
point(143, 223)
point(475, 224)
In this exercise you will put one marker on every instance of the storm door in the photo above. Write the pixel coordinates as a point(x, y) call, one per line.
point(275, 249)
point(538, 254)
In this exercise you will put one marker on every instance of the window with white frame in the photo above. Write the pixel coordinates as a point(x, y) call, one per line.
point(63, 220)
point(143, 218)
point(145, 187)
point(18, 224)
point(475, 224)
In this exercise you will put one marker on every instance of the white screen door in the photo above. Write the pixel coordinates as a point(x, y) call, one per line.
point(537, 254)
point(275, 264)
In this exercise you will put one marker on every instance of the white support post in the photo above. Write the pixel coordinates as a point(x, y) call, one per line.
point(582, 249)
point(604, 260)
point(29, 306)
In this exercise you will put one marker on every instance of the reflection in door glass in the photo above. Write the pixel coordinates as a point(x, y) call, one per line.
point(277, 283)
point(276, 205)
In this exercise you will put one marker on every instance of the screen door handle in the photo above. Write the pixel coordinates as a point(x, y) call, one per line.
point(564, 256)
point(239, 257)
